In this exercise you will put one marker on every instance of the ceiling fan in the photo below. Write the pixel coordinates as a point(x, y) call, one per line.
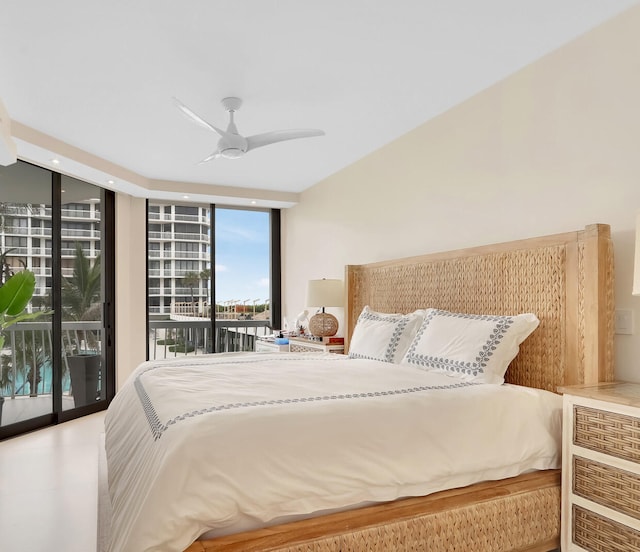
point(233, 145)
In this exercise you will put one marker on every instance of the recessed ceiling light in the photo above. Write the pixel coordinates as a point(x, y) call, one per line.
point(55, 161)
point(254, 202)
point(111, 181)
point(63, 191)
point(185, 197)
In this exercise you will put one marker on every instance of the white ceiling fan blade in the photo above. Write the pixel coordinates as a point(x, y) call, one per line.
point(211, 157)
point(196, 118)
point(259, 140)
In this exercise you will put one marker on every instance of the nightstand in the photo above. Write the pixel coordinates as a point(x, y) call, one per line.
point(262, 346)
point(303, 345)
point(601, 467)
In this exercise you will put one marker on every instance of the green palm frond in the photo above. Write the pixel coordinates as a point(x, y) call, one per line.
point(82, 291)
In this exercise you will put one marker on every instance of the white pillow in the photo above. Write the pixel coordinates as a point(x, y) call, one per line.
point(385, 337)
point(475, 347)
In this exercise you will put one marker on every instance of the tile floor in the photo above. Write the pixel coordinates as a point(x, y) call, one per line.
point(49, 488)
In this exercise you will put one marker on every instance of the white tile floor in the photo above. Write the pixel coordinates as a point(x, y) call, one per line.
point(49, 488)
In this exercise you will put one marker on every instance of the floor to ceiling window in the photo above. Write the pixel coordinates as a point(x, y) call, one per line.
point(57, 361)
point(213, 278)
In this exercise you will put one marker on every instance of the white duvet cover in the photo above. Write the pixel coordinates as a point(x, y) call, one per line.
point(207, 443)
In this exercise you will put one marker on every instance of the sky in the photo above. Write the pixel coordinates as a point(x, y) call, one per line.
point(242, 256)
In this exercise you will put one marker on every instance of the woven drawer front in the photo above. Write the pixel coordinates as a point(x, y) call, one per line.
point(606, 485)
point(599, 534)
point(606, 432)
point(296, 348)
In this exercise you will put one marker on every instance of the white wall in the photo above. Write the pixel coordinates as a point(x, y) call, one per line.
point(550, 149)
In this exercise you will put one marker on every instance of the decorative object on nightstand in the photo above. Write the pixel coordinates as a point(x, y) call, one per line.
point(324, 293)
point(601, 467)
point(301, 325)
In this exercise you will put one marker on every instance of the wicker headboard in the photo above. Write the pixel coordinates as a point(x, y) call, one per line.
point(565, 279)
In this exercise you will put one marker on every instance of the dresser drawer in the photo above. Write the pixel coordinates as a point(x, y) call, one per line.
point(611, 487)
point(601, 468)
point(599, 534)
point(607, 432)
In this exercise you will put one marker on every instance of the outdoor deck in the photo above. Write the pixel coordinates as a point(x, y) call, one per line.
point(25, 407)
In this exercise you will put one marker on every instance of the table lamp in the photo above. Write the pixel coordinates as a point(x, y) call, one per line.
point(324, 293)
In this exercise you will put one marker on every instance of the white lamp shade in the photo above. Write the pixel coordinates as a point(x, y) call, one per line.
point(325, 293)
point(636, 266)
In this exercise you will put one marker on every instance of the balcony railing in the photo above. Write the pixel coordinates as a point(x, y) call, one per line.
point(173, 338)
point(77, 233)
point(80, 213)
point(190, 237)
point(200, 219)
point(39, 231)
point(31, 343)
point(199, 255)
point(16, 230)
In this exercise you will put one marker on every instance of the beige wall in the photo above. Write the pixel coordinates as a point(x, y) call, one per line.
point(131, 285)
point(550, 149)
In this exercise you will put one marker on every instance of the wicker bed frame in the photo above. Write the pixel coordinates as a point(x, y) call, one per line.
point(567, 280)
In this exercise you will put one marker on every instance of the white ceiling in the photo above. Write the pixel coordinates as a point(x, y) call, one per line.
point(99, 75)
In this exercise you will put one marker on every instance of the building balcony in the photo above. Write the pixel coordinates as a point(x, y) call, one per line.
point(168, 217)
point(175, 255)
point(173, 236)
point(80, 214)
point(80, 233)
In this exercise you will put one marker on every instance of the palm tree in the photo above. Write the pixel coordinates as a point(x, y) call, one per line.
point(28, 351)
point(205, 275)
point(30, 354)
point(81, 299)
point(191, 279)
point(81, 293)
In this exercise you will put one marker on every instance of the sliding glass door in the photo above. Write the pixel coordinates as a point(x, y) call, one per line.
point(82, 294)
point(56, 364)
point(26, 378)
point(213, 278)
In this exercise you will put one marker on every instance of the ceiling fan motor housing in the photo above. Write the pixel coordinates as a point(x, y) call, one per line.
point(232, 146)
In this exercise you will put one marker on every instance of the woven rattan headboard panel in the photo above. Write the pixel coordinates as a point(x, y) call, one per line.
point(565, 279)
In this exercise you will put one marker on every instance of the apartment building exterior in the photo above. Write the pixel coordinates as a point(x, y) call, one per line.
point(25, 239)
point(178, 240)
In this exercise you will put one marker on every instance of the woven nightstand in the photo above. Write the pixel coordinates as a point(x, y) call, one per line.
point(262, 346)
point(601, 467)
point(302, 345)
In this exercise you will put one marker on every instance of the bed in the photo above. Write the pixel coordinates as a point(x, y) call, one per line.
point(566, 280)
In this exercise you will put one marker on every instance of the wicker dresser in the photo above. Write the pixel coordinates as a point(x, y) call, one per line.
point(601, 468)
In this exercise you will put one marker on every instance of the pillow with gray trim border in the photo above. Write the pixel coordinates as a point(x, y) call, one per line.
point(476, 347)
point(382, 336)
